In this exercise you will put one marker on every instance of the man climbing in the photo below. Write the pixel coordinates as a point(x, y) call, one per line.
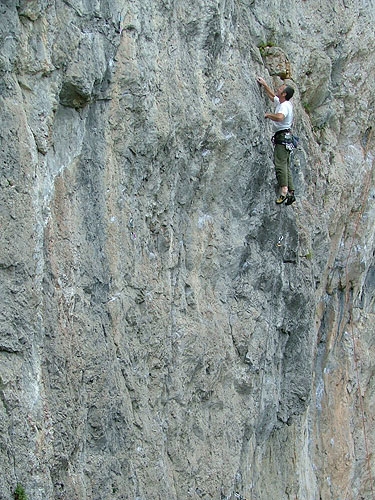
point(282, 120)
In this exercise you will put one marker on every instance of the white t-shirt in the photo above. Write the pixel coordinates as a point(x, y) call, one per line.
point(286, 109)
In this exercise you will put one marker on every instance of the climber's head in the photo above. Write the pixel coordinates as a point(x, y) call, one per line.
point(284, 93)
point(289, 91)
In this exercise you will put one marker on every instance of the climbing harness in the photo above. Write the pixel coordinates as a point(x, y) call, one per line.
point(286, 138)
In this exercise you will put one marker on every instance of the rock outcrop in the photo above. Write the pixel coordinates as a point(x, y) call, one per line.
point(167, 331)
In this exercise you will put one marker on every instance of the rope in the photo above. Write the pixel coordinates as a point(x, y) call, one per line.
point(349, 308)
point(281, 237)
point(269, 320)
point(364, 197)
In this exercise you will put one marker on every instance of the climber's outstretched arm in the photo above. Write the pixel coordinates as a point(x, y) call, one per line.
point(268, 90)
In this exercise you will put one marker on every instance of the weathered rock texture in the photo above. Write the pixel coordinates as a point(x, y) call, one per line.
point(156, 342)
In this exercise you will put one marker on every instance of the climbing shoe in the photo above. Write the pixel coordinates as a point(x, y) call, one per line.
point(290, 199)
point(281, 199)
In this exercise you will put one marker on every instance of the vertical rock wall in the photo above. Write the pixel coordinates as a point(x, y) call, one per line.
point(167, 331)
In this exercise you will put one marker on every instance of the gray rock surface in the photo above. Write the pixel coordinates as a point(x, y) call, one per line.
point(167, 331)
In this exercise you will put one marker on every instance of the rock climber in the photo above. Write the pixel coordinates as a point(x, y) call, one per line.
point(282, 120)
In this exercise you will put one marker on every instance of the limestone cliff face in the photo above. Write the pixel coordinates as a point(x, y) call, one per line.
point(167, 331)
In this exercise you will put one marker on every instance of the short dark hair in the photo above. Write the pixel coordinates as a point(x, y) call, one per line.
point(289, 91)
